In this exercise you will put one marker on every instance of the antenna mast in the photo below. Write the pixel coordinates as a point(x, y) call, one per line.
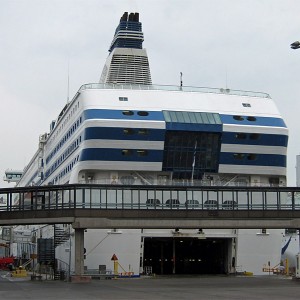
point(181, 80)
point(68, 96)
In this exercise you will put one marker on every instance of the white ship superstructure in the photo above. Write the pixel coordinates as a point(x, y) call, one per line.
point(126, 130)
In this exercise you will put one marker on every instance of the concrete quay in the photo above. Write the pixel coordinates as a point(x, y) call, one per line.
point(154, 288)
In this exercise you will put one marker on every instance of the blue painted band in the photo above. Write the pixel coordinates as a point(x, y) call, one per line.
point(261, 160)
point(259, 121)
point(255, 139)
point(113, 133)
point(116, 155)
point(118, 114)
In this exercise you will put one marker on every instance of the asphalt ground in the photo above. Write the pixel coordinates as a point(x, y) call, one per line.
point(177, 287)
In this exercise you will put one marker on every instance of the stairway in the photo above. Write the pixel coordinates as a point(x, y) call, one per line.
point(60, 236)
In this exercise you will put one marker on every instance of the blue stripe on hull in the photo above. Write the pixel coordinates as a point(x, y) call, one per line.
point(262, 140)
point(260, 121)
point(112, 133)
point(116, 155)
point(261, 160)
point(118, 114)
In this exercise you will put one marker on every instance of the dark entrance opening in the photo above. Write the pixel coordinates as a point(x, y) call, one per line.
point(168, 255)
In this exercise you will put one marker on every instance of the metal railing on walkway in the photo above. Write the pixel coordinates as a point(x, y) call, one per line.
point(133, 197)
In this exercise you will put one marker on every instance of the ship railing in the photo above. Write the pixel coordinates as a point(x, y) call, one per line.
point(156, 87)
point(178, 182)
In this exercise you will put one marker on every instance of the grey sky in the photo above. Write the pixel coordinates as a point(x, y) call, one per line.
point(241, 44)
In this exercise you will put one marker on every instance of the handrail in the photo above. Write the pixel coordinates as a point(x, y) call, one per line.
point(157, 87)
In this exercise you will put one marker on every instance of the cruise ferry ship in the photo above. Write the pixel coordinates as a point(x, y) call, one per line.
point(126, 130)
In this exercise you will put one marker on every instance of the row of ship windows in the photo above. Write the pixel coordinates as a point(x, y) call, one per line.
point(129, 152)
point(131, 113)
point(251, 136)
point(67, 119)
point(242, 118)
point(66, 170)
point(131, 131)
point(65, 138)
point(64, 156)
point(248, 156)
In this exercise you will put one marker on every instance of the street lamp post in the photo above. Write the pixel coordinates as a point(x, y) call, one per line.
point(295, 45)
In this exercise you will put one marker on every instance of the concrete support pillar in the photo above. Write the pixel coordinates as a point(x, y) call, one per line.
point(79, 248)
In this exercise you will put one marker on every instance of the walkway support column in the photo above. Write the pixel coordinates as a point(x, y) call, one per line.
point(79, 257)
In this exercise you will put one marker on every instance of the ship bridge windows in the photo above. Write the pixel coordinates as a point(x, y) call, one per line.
point(190, 154)
point(191, 117)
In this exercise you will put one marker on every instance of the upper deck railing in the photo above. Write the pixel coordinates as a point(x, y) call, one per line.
point(156, 87)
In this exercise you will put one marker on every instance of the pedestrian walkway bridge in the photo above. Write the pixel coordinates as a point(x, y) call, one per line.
point(131, 206)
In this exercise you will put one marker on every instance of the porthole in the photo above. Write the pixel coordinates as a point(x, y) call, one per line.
point(128, 131)
point(254, 136)
point(143, 113)
point(238, 156)
point(142, 152)
point(143, 131)
point(251, 156)
point(127, 112)
point(126, 152)
point(251, 119)
point(238, 118)
point(241, 136)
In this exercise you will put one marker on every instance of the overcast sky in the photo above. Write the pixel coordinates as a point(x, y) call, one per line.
point(239, 44)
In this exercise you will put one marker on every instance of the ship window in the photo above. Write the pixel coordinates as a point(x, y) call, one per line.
point(143, 131)
point(251, 119)
point(127, 112)
point(238, 118)
point(246, 104)
point(254, 136)
point(241, 136)
point(238, 155)
point(123, 99)
point(128, 131)
point(143, 113)
point(142, 152)
point(251, 156)
point(126, 152)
